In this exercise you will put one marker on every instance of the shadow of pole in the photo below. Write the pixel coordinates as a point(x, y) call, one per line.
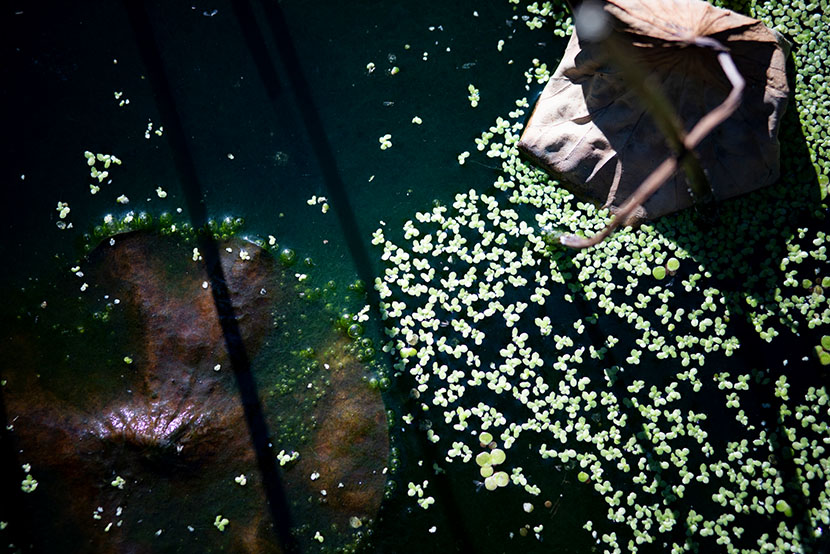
point(323, 152)
point(240, 363)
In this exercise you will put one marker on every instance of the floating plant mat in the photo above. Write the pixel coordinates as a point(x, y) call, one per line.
point(666, 390)
point(125, 410)
point(708, 310)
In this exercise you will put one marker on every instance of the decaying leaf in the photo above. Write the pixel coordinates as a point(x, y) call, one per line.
point(591, 129)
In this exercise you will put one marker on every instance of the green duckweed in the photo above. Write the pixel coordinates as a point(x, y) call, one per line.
point(477, 299)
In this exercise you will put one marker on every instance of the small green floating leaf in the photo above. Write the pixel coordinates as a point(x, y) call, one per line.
point(583, 477)
point(490, 483)
point(784, 507)
point(220, 522)
point(659, 272)
point(408, 352)
point(483, 459)
point(673, 264)
point(825, 342)
point(497, 456)
point(29, 484)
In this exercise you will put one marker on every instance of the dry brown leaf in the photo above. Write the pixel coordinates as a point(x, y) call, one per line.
point(593, 131)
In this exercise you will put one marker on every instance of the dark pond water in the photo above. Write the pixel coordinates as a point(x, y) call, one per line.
point(277, 114)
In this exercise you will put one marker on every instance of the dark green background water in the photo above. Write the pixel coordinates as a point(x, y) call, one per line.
point(58, 79)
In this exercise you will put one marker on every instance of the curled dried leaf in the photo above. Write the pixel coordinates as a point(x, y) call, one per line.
point(592, 129)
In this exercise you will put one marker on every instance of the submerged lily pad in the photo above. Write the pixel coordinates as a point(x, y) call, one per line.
point(142, 456)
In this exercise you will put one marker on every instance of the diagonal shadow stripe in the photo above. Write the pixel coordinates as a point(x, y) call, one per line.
point(310, 116)
point(240, 363)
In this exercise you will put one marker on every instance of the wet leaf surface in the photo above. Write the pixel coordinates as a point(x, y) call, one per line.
point(140, 453)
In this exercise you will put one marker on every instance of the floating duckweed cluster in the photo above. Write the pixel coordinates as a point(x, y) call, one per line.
point(474, 97)
point(220, 523)
point(640, 368)
point(548, 12)
point(385, 141)
point(96, 174)
point(29, 484)
point(487, 460)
